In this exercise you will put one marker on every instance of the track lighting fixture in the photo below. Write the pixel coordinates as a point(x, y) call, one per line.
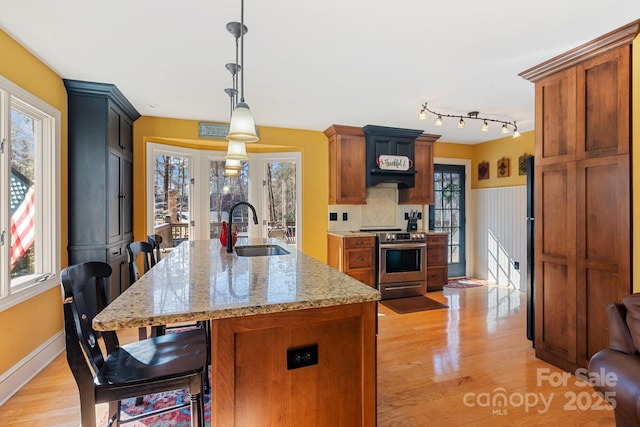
point(474, 115)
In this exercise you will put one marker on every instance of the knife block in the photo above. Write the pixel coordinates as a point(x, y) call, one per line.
point(412, 224)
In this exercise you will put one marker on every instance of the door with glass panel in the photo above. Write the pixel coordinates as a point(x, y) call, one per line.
point(447, 214)
point(172, 182)
point(281, 199)
point(224, 192)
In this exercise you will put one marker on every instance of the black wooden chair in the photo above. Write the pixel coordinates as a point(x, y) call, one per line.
point(142, 250)
point(155, 240)
point(165, 363)
point(145, 250)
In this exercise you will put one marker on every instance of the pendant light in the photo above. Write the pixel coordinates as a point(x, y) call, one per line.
point(242, 126)
point(236, 150)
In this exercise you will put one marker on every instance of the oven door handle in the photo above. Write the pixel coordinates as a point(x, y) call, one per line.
point(402, 245)
point(402, 287)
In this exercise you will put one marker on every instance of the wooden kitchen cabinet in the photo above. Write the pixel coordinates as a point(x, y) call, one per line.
point(582, 195)
point(355, 256)
point(437, 261)
point(346, 165)
point(422, 191)
point(100, 177)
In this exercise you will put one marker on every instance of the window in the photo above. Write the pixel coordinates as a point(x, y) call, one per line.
point(29, 195)
point(191, 196)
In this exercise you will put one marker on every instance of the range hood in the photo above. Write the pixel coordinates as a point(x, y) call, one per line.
point(390, 155)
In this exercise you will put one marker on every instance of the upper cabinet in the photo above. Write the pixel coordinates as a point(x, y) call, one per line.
point(422, 191)
point(346, 165)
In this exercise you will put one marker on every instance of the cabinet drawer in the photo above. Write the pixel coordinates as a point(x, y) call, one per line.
point(359, 258)
point(436, 278)
point(359, 242)
point(436, 256)
point(437, 239)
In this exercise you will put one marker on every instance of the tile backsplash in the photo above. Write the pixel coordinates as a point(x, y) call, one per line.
point(381, 211)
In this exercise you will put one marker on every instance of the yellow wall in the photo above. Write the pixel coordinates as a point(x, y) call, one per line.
point(26, 326)
point(315, 159)
point(452, 150)
point(491, 152)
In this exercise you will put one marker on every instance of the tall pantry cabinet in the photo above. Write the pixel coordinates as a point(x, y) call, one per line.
point(100, 177)
point(582, 195)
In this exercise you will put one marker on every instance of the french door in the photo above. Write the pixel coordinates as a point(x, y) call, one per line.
point(188, 195)
point(447, 214)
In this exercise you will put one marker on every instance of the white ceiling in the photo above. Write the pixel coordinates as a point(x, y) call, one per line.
point(312, 64)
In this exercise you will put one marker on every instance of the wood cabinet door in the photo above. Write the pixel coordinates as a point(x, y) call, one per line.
point(127, 198)
point(114, 194)
point(604, 248)
point(603, 99)
point(555, 258)
point(346, 165)
point(422, 191)
point(126, 135)
point(556, 118)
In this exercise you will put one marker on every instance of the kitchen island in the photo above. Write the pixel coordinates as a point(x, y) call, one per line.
point(293, 340)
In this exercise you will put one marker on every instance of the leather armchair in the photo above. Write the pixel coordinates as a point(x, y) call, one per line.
point(621, 359)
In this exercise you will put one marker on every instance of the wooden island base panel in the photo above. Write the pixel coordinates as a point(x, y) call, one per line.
point(313, 367)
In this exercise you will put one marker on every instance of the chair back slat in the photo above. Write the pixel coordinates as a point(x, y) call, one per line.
point(136, 250)
point(155, 240)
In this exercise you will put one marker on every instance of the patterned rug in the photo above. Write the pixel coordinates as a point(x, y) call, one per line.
point(177, 418)
point(462, 283)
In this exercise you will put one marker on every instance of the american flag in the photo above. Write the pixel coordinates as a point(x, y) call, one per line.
point(22, 201)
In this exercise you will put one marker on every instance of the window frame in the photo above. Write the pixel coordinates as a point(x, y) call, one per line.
point(48, 211)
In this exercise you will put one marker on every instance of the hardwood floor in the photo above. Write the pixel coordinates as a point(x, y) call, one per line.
point(444, 367)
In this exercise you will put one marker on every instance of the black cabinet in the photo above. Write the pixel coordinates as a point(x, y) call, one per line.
point(100, 177)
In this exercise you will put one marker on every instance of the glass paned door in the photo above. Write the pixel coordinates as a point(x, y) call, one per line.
point(447, 214)
point(224, 192)
point(281, 200)
point(172, 194)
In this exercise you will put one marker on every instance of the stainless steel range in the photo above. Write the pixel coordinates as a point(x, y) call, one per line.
point(402, 263)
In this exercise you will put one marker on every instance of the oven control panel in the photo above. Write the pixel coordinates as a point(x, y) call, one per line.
point(400, 237)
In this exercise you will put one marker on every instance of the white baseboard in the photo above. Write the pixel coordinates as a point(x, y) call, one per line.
point(22, 372)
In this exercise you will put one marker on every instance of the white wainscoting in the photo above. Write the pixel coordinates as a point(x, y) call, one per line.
point(500, 235)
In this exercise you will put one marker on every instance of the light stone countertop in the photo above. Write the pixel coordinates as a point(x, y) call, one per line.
point(373, 234)
point(352, 233)
point(198, 280)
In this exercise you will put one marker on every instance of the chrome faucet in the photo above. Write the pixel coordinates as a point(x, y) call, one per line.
point(229, 231)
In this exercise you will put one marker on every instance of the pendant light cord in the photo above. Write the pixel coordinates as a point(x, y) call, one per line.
point(242, 50)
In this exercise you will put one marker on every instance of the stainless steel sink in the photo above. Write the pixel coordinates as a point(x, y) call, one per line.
point(261, 250)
